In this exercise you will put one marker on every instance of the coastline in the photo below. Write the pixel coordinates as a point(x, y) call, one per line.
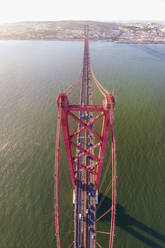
point(105, 40)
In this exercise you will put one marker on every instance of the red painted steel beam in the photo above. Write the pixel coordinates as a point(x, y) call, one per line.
point(92, 165)
point(88, 124)
point(83, 152)
point(91, 108)
point(89, 167)
point(85, 125)
point(108, 104)
point(105, 134)
point(94, 146)
point(63, 103)
point(106, 109)
point(86, 168)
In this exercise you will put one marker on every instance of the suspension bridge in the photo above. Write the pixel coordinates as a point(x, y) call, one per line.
point(87, 129)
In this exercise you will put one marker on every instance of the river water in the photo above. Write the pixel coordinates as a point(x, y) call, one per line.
point(31, 75)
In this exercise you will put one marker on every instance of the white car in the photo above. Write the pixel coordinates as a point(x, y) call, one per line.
point(80, 216)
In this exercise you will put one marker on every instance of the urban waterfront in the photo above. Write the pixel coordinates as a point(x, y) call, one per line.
point(31, 75)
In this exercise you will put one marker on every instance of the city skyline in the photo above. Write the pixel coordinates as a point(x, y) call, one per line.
point(118, 11)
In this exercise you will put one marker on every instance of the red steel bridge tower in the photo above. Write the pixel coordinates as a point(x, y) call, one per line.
point(85, 150)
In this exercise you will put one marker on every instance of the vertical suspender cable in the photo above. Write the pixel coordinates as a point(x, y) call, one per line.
point(56, 181)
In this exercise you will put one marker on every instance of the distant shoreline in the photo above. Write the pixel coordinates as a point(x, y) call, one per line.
point(105, 40)
point(123, 33)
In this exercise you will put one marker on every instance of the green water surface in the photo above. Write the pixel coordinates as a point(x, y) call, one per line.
point(31, 75)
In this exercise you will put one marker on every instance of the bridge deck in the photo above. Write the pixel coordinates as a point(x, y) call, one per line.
point(85, 207)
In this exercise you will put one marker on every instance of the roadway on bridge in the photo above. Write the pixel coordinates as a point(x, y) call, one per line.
point(85, 208)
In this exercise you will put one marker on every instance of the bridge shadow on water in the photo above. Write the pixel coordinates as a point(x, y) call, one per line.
point(129, 224)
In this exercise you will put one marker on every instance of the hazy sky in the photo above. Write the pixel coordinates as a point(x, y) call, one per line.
point(103, 10)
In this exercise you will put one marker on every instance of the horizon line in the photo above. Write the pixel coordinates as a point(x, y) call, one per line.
point(86, 20)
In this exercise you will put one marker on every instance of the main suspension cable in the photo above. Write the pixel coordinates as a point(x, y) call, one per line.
point(70, 88)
